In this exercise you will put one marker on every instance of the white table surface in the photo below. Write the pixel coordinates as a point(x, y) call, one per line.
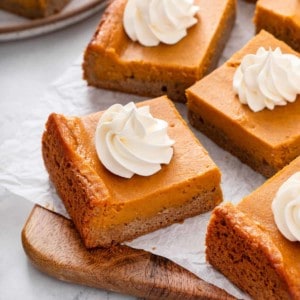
point(27, 67)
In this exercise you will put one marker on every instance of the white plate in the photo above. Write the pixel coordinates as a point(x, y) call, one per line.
point(13, 27)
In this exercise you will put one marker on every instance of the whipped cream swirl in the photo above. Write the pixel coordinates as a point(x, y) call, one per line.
point(286, 208)
point(153, 21)
point(267, 78)
point(129, 140)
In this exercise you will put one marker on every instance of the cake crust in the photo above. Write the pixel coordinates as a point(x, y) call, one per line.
point(108, 209)
point(113, 61)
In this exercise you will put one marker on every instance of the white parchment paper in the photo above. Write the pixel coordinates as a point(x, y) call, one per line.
point(22, 171)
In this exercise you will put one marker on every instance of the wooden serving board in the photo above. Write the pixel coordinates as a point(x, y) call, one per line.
point(54, 247)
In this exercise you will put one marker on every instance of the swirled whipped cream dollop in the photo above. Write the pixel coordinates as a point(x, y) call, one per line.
point(286, 208)
point(267, 78)
point(153, 21)
point(129, 140)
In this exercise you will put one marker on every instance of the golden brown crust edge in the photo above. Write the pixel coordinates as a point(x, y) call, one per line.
point(244, 253)
point(65, 171)
point(86, 203)
point(123, 77)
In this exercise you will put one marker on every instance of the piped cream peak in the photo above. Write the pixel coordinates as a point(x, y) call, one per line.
point(153, 21)
point(129, 140)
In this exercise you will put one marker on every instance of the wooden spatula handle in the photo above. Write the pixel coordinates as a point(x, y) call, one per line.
point(53, 245)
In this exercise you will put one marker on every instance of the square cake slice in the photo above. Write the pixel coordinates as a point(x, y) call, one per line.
point(33, 9)
point(266, 140)
point(281, 18)
point(113, 61)
point(107, 208)
point(244, 243)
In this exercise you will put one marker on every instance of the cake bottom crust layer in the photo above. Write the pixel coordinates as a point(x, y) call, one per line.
point(202, 203)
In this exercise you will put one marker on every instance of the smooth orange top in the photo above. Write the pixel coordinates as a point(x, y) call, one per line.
point(257, 206)
point(190, 172)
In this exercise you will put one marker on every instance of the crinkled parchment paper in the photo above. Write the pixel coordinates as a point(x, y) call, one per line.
point(22, 171)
